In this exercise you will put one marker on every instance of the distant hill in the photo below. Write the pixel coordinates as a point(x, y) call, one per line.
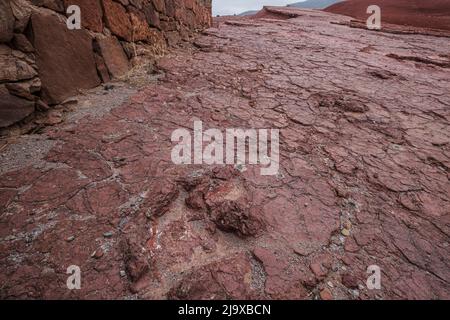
point(314, 4)
point(248, 13)
point(419, 13)
point(309, 4)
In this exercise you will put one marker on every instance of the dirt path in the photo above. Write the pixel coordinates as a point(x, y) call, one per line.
point(364, 175)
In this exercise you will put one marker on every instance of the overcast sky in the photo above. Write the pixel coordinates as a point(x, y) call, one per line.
point(228, 7)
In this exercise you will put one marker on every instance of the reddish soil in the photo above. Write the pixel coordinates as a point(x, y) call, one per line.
point(433, 14)
point(364, 175)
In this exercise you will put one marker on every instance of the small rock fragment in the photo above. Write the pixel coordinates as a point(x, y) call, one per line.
point(326, 294)
point(97, 254)
point(349, 281)
point(108, 234)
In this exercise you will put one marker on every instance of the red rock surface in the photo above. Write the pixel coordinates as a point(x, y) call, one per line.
point(364, 175)
point(219, 280)
point(434, 14)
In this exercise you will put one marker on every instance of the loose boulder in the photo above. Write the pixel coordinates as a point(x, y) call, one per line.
point(12, 108)
point(113, 55)
point(6, 21)
point(22, 10)
point(65, 58)
point(12, 68)
point(117, 20)
point(55, 5)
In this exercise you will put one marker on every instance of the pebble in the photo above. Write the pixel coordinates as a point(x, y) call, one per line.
point(345, 232)
point(47, 271)
point(354, 293)
point(241, 168)
point(69, 102)
point(108, 234)
point(97, 254)
point(10, 238)
point(348, 225)
point(70, 239)
point(122, 273)
point(326, 294)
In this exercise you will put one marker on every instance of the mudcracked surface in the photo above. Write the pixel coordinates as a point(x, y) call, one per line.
point(364, 175)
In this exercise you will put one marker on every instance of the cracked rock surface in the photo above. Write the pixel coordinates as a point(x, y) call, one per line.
point(364, 175)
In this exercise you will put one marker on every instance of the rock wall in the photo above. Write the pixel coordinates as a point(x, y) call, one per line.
point(42, 62)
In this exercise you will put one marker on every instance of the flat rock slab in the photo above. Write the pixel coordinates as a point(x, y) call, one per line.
point(6, 22)
point(363, 181)
point(113, 55)
point(65, 58)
